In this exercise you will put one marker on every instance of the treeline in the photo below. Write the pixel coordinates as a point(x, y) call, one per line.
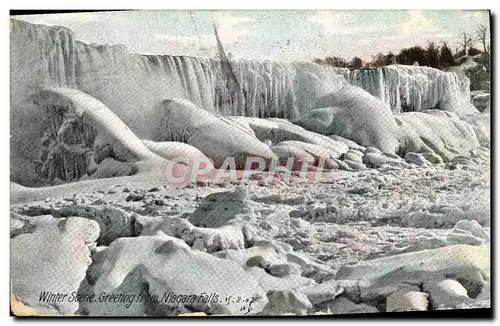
point(433, 55)
point(440, 57)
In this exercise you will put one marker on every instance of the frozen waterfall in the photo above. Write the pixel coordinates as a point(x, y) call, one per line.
point(132, 84)
point(414, 88)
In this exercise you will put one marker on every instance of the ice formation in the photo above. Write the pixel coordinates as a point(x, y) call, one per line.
point(354, 114)
point(414, 88)
point(269, 89)
point(215, 136)
point(183, 153)
point(47, 57)
point(407, 228)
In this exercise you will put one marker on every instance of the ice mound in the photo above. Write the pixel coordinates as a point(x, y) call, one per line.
point(354, 114)
point(182, 153)
point(280, 130)
point(113, 222)
point(109, 168)
point(75, 120)
point(300, 156)
point(482, 126)
point(217, 137)
point(481, 100)
point(407, 300)
point(444, 134)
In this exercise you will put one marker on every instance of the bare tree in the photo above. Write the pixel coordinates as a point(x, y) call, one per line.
point(482, 36)
point(467, 41)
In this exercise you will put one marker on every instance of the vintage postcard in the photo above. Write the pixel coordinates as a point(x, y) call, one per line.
point(250, 163)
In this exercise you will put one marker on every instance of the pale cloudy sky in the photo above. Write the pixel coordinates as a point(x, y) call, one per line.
point(278, 35)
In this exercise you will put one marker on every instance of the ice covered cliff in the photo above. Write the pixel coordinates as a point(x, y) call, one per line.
point(414, 88)
point(130, 83)
point(134, 86)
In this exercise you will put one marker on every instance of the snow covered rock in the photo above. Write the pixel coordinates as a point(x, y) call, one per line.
point(352, 145)
point(271, 283)
point(463, 162)
point(279, 270)
point(20, 224)
point(318, 152)
point(310, 268)
point(354, 155)
point(158, 265)
point(376, 160)
point(438, 132)
point(468, 232)
point(371, 149)
point(379, 277)
point(354, 165)
point(482, 126)
point(481, 100)
point(447, 293)
point(182, 153)
point(286, 302)
point(262, 254)
point(440, 215)
point(53, 259)
point(110, 168)
point(325, 291)
point(416, 158)
point(342, 305)
point(342, 165)
point(234, 235)
point(485, 293)
point(407, 300)
point(220, 208)
point(279, 130)
point(301, 157)
point(113, 222)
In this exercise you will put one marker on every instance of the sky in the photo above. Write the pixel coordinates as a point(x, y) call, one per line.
point(285, 35)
